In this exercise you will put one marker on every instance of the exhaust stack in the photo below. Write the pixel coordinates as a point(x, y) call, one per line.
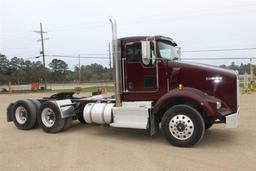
point(116, 61)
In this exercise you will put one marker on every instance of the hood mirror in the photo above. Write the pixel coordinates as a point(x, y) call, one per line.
point(145, 48)
point(178, 52)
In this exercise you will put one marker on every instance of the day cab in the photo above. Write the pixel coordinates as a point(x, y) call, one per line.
point(186, 98)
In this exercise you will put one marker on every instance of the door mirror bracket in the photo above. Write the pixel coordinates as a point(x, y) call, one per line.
point(145, 48)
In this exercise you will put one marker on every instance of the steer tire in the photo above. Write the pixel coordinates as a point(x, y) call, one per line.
point(24, 115)
point(183, 126)
point(50, 127)
point(37, 105)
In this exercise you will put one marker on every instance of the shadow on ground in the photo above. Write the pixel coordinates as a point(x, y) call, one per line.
point(213, 137)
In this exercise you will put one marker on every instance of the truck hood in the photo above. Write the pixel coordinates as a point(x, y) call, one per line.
point(208, 68)
point(214, 81)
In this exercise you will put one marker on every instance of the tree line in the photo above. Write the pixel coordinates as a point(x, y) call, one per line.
point(23, 71)
point(242, 68)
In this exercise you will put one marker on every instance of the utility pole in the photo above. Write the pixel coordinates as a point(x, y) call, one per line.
point(109, 55)
point(251, 76)
point(41, 32)
point(251, 71)
point(79, 71)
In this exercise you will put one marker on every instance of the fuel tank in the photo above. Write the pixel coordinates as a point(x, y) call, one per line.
point(100, 113)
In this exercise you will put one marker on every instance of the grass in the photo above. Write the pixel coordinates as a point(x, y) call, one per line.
point(241, 84)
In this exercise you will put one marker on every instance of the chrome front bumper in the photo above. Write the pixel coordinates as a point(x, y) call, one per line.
point(232, 120)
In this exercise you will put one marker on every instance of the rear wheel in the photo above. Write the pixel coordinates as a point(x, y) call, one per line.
point(183, 125)
point(50, 118)
point(24, 114)
point(37, 105)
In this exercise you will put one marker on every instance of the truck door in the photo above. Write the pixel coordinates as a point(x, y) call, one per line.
point(138, 76)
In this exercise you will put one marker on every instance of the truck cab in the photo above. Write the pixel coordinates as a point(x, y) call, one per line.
point(153, 71)
point(153, 77)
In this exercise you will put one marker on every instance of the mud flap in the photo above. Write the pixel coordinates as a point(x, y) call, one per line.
point(9, 113)
point(154, 125)
point(66, 108)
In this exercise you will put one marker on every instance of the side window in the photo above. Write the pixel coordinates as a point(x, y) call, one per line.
point(133, 52)
point(153, 57)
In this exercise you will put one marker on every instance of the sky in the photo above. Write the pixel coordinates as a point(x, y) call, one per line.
point(82, 27)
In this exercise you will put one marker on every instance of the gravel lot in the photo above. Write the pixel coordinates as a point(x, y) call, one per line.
point(87, 147)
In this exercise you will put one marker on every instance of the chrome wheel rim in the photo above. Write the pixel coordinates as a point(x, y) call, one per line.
point(181, 127)
point(48, 117)
point(21, 115)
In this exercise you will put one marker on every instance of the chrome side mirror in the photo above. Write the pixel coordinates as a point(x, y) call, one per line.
point(145, 48)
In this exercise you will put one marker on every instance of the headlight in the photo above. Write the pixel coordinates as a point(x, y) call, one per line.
point(218, 104)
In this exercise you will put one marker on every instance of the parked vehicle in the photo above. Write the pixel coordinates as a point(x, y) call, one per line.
point(153, 89)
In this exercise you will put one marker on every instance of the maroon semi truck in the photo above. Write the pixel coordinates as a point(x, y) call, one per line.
point(153, 89)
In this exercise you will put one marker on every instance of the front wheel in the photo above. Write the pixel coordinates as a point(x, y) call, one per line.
point(183, 125)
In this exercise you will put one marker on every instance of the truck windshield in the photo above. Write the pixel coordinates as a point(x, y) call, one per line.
point(167, 51)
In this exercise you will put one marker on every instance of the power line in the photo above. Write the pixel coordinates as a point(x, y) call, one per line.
point(150, 18)
point(106, 57)
point(83, 53)
point(13, 48)
point(196, 11)
point(225, 58)
point(35, 57)
point(16, 34)
point(218, 50)
point(86, 57)
point(88, 54)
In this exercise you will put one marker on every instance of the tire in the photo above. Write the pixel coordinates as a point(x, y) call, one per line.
point(37, 105)
point(24, 115)
point(183, 126)
point(49, 118)
point(68, 122)
point(80, 117)
point(208, 125)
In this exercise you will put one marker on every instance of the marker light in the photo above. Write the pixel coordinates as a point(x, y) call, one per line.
point(180, 86)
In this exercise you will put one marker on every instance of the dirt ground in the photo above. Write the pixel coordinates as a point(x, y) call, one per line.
point(86, 147)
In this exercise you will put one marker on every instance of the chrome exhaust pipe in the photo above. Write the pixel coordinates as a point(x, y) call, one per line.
point(116, 61)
